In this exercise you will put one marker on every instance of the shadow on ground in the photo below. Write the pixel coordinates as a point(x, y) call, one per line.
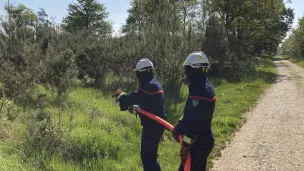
point(281, 78)
point(279, 58)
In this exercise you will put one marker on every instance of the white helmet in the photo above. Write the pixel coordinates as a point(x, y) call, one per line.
point(197, 60)
point(143, 65)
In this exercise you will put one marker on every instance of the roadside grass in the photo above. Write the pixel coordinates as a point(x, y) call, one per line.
point(297, 61)
point(10, 159)
point(97, 136)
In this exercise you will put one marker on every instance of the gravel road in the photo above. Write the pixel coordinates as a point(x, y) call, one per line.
point(273, 136)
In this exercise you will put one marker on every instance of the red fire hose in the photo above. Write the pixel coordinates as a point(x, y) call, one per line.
point(169, 127)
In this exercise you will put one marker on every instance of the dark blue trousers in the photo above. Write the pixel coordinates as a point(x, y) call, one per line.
point(199, 152)
point(151, 136)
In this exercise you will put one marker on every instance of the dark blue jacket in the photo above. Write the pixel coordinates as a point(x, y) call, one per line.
point(150, 97)
point(199, 109)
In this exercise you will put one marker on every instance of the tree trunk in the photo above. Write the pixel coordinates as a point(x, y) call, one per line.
point(100, 78)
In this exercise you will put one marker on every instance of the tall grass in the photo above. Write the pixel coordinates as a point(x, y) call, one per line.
point(97, 136)
point(10, 159)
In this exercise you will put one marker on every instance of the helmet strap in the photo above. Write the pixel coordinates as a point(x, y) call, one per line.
point(205, 70)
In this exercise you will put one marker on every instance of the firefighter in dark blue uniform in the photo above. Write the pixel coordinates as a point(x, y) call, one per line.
point(148, 96)
point(195, 125)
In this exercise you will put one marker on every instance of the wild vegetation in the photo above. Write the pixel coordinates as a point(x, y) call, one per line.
point(55, 80)
point(293, 46)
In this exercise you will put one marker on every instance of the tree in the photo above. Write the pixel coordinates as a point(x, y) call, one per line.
point(293, 46)
point(167, 34)
point(253, 26)
point(31, 54)
point(215, 45)
point(19, 26)
point(21, 15)
point(85, 15)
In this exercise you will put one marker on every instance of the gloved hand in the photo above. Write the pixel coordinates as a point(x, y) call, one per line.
point(117, 94)
point(175, 133)
point(130, 109)
point(185, 147)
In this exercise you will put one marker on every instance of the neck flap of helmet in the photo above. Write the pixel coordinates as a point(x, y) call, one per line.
point(144, 76)
point(195, 76)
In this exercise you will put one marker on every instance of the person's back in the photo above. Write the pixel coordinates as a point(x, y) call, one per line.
point(148, 96)
point(153, 100)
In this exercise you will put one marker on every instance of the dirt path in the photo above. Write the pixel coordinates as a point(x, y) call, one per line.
point(273, 136)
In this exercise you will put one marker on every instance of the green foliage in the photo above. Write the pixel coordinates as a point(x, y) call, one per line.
point(95, 57)
point(19, 72)
point(10, 160)
point(22, 17)
point(43, 133)
point(253, 27)
point(293, 46)
point(232, 33)
point(21, 14)
point(31, 54)
point(87, 14)
point(61, 73)
point(8, 110)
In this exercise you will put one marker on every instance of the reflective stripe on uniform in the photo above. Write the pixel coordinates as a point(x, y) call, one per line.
point(151, 93)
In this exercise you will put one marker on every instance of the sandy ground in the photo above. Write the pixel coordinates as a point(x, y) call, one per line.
point(273, 136)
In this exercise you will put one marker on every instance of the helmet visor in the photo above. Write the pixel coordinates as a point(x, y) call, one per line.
point(144, 69)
